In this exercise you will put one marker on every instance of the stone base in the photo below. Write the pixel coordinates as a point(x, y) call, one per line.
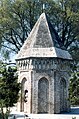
point(52, 116)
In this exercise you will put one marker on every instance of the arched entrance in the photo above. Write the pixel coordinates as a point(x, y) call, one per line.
point(22, 93)
point(43, 95)
point(63, 94)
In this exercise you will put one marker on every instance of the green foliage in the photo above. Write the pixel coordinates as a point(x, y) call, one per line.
point(74, 89)
point(18, 17)
point(9, 88)
point(74, 50)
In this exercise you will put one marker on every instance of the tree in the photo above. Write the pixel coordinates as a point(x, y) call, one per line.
point(70, 30)
point(74, 89)
point(9, 88)
point(17, 20)
point(69, 19)
point(19, 16)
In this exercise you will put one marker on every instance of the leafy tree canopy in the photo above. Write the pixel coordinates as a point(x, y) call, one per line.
point(17, 18)
point(74, 89)
point(9, 88)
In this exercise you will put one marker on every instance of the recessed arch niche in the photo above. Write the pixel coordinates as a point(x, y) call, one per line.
point(23, 86)
point(63, 95)
point(43, 95)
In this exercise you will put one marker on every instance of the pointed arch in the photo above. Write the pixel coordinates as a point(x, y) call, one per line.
point(63, 95)
point(43, 95)
point(23, 82)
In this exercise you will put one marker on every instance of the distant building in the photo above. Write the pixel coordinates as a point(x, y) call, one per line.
point(43, 70)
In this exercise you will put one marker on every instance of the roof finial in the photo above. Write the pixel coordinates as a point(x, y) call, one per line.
point(43, 7)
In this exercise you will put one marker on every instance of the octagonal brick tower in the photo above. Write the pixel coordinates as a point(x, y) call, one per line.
point(43, 71)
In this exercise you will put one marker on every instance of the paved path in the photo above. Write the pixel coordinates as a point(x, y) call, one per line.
point(73, 114)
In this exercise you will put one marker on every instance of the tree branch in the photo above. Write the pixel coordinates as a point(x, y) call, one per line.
point(14, 42)
point(9, 48)
point(15, 33)
point(7, 40)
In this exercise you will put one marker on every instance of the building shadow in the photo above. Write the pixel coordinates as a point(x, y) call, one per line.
point(73, 111)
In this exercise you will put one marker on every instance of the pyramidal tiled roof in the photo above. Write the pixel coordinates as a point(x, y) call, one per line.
point(43, 41)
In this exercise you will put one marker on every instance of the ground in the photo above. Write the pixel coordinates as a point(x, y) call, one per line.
point(73, 114)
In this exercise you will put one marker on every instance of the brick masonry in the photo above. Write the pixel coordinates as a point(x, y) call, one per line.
point(54, 77)
point(43, 71)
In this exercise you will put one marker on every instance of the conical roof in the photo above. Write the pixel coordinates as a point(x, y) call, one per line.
point(43, 41)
